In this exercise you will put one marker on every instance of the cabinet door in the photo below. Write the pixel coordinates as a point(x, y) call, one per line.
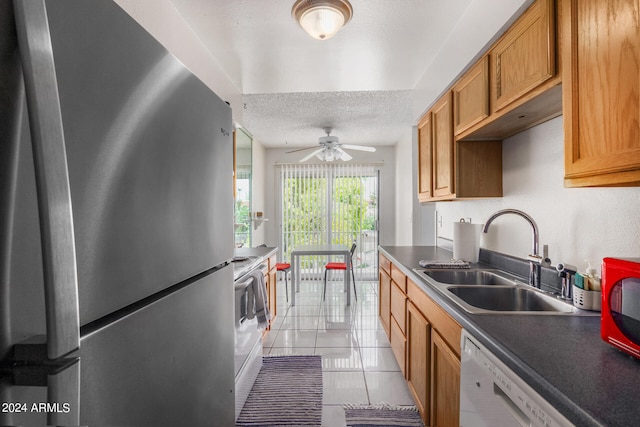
point(601, 92)
point(418, 359)
point(445, 384)
point(425, 158)
point(398, 345)
point(385, 301)
point(471, 97)
point(273, 296)
point(443, 148)
point(525, 57)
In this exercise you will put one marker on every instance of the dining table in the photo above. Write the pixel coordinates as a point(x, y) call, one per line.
point(329, 249)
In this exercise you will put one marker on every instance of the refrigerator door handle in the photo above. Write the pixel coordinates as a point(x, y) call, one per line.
point(52, 179)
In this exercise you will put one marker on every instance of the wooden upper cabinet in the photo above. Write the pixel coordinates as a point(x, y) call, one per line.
point(443, 148)
point(449, 169)
point(601, 92)
point(524, 57)
point(425, 155)
point(471, 97)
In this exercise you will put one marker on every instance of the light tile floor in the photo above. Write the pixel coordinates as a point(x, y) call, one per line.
point(357, 362)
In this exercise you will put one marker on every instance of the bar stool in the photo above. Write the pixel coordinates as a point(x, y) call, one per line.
point(340, 266)
point(284, 266)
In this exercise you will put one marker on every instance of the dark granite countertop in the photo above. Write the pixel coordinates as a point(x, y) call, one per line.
point(561, 357)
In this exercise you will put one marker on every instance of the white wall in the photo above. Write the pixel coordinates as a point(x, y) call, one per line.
point(466, 41)
point(404, 194)
point(576, 223)
point(259, 193)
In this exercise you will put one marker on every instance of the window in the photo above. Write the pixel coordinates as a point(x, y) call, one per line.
point(330, 203)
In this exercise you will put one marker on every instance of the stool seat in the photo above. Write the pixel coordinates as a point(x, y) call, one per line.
point(341, 266)
point(336, 266)
point(283, 266)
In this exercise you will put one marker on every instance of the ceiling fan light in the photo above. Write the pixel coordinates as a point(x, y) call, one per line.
point(322, 19)
point(328, 154)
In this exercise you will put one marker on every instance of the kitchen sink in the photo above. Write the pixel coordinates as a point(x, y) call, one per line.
point(469, 277)
point(509, 298)
point(492, 291)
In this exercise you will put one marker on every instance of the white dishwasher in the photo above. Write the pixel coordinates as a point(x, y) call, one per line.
point(492, 395)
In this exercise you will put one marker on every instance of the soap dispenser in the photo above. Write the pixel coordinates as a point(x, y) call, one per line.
point(592, 277)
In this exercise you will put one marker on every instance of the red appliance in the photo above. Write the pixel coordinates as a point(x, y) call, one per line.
point(620, 321)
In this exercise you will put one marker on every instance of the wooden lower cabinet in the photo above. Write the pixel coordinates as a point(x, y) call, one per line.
point(398, 323)
point(270, 273)
point(445, 383)
point(433, 359)
point(273, 309)
point(425, 340)
point(398, 344)
point(384, 300)
point(419, 359)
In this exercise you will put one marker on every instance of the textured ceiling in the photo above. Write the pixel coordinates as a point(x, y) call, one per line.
point(298, 119)
point(358, 82)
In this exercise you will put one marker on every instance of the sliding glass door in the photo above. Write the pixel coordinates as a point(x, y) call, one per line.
point(330, 203)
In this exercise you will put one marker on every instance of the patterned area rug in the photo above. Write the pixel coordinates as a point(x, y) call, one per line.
point(382, 415)
point(287, 392)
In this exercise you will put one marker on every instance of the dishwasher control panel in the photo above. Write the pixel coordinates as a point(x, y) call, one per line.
point(491, 394)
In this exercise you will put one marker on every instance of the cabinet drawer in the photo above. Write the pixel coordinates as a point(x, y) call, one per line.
point(399, 306)
point(440, 320)
point(385, 264)
point(399, 277)
point(398, 344)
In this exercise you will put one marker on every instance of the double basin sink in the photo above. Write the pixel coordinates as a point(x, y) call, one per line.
point(488, 291)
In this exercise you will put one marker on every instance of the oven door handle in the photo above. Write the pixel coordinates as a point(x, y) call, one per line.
point(241, 286)
point(247, 279)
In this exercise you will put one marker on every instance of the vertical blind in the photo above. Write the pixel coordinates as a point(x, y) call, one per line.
point(330, 203)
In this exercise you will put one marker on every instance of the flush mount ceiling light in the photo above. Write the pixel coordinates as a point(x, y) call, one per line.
point(322, 19)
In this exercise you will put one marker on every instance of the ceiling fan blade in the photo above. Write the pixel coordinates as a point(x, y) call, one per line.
point(344, 156)
point(308, 156)
point(359, 148)
point(300, 149)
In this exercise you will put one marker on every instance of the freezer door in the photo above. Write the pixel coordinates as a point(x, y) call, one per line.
point(149, 152)
point(168, 364)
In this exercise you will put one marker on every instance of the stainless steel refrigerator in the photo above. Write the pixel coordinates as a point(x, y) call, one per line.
point(116, 225)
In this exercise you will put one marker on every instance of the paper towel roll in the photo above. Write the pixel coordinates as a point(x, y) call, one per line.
point(466, 241)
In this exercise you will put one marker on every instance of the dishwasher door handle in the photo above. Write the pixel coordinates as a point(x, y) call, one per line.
point(511, 406)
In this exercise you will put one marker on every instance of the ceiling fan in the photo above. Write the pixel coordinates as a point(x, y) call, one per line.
point(331, 149)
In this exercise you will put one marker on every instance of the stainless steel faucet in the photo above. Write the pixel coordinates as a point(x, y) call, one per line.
point(535, 260)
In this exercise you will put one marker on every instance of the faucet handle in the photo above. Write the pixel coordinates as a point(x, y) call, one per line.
point(546, 262)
